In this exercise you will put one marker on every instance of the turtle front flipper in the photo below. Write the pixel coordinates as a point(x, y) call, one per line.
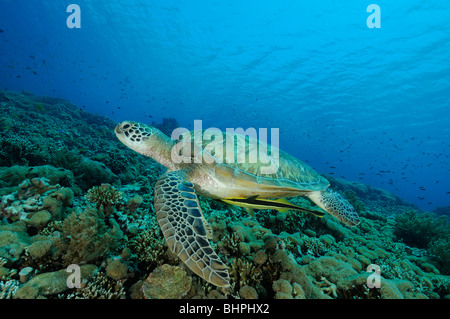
point(183, 225)
point(333, 203)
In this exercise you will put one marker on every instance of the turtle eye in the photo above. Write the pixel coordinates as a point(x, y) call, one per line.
point(126, 126)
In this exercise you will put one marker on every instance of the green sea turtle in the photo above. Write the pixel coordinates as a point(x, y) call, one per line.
point(222, 168)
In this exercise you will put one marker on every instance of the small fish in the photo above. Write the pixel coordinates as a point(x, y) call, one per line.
point(1, 31)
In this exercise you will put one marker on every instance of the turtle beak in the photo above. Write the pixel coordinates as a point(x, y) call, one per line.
point(117, 130)
point(120, 133)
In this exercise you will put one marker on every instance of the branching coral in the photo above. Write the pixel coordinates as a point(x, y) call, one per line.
point(8, 289)
point(327, 287)
point(150, 248)
point(100, 287)
point(230, 245)
point(244, 273)
point(314, 246)
point(105, 196)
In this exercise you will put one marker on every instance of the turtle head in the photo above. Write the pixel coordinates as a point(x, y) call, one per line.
point(146, 140)
point(133, 134)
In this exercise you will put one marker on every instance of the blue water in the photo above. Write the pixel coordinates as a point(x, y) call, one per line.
point(369, 105)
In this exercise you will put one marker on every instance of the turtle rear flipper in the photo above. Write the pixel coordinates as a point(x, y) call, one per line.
point(183, 225)
point(333, 203)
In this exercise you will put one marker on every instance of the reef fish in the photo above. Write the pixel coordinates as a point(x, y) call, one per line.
point(281, 205)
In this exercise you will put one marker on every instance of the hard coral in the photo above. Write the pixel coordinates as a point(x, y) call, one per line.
point(8, 289)
point(51, 283)
point(99, 287)
point(117, 269)
point(85, 237)
point(105, 196)
point(167, 282)
point(247, 292)
point(292, 272)
point(150, 248)
point(244, 273)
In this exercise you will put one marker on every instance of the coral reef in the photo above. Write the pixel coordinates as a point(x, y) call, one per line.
point(70, 193)
point(105, 197)
point(99, 287)
point(85, 236)
point(167, 282)
point(50, 283)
